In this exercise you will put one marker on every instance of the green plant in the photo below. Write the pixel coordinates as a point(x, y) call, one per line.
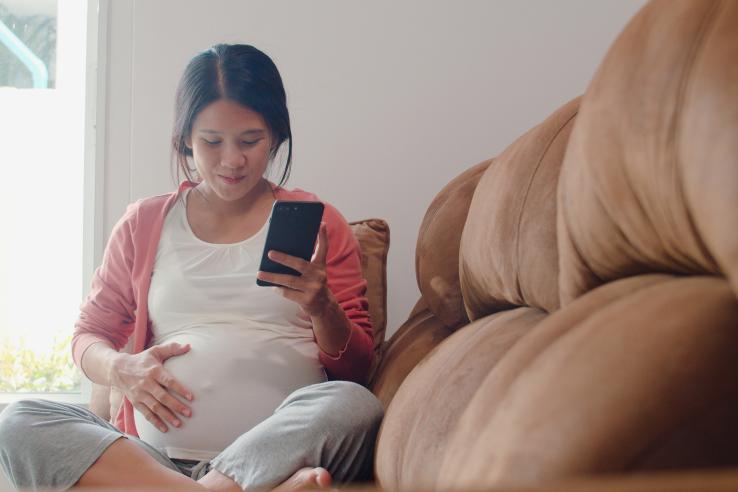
point(23, 369)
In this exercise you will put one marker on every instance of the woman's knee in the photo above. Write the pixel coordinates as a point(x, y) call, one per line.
point(343, 406)
point(16, 420)
point(21, 422)
point(355, 405)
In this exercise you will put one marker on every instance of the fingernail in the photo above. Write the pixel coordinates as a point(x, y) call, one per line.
point(187, 413)
point(163, 429)
point(177, 423)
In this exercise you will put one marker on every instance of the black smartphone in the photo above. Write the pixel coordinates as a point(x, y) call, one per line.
point(293, 229)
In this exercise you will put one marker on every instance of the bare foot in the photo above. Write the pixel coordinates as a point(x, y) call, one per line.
point(303, 479)
point(306, 478)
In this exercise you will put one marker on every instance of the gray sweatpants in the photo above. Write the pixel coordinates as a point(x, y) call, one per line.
point(332, 424)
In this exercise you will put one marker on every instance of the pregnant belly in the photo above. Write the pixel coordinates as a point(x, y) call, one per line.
point(236, 384)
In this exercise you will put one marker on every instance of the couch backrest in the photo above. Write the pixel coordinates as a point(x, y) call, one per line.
point(437, 249)
point(650, 180)
point(507, 258)
point(508, 253)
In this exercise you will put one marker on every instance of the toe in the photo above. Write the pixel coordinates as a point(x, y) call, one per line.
point(323, 479)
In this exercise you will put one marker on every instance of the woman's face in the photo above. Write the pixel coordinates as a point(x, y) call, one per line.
point(231, 146)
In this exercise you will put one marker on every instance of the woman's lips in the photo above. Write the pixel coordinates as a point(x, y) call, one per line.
point(233, 180)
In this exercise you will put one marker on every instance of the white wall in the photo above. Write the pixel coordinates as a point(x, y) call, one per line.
point(389, 100)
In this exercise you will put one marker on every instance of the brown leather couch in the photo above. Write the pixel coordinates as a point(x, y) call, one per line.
point(579, 309)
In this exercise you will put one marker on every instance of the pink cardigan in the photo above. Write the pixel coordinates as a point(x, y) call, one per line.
point(116, 306)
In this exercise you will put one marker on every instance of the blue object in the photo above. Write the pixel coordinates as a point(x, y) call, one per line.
point(33, 63)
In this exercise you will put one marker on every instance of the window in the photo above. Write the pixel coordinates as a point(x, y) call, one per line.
point(46, 139)
point(28, 40)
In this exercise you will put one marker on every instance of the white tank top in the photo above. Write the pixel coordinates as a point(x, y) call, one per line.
point(250, 347)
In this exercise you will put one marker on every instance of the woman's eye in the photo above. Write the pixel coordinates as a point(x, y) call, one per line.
point(244, 142)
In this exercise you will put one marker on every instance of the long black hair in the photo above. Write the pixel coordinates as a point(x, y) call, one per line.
point(238, 72)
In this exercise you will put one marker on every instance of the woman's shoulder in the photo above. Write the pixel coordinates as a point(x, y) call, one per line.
point(158, 203)
point(295, 194)
point(146, 211)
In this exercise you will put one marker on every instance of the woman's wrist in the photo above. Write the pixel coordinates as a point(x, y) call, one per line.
point(96, 362)
point(114, 363)
point(332, 329)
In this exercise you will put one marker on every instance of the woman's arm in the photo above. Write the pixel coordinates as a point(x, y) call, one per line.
point(105, 323)
point(98, 363)
point(107, 315)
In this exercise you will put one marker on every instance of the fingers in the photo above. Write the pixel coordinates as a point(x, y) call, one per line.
point(159, 406)
point(293, 262)
point(162, 412)
point(312, 285)
point(150, 416)
point(283, 279)
point(294, 296)
point(313, 302)
point(312, 276)
point(171, 349)
point(164, 352)
point(170, 382)
point(172, 403)
point(300, 265)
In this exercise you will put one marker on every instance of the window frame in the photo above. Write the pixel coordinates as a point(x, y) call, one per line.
point(93, 241)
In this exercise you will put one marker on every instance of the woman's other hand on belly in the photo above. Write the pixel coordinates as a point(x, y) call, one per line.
point(148, 385)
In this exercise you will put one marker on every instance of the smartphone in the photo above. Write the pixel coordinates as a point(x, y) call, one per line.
point(293, 229)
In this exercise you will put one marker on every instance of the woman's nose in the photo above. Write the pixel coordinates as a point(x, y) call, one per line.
point(232, 156)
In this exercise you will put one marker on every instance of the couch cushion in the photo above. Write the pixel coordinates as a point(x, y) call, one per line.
point(612, 392)
point(650, 180)
point(420, 334)
point(437, 249)
point(508, 249)
point(426, 408)
point(374, 239)
point(473, 446)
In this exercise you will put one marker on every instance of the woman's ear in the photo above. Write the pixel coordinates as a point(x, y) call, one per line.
point(188, 142)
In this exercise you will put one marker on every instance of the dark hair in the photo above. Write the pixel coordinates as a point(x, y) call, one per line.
point(238, 72)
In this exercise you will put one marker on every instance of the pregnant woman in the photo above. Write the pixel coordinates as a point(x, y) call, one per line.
point(227, 385)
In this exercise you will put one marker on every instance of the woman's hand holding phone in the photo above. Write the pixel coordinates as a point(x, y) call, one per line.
point(150, 387)
point(310, 289)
